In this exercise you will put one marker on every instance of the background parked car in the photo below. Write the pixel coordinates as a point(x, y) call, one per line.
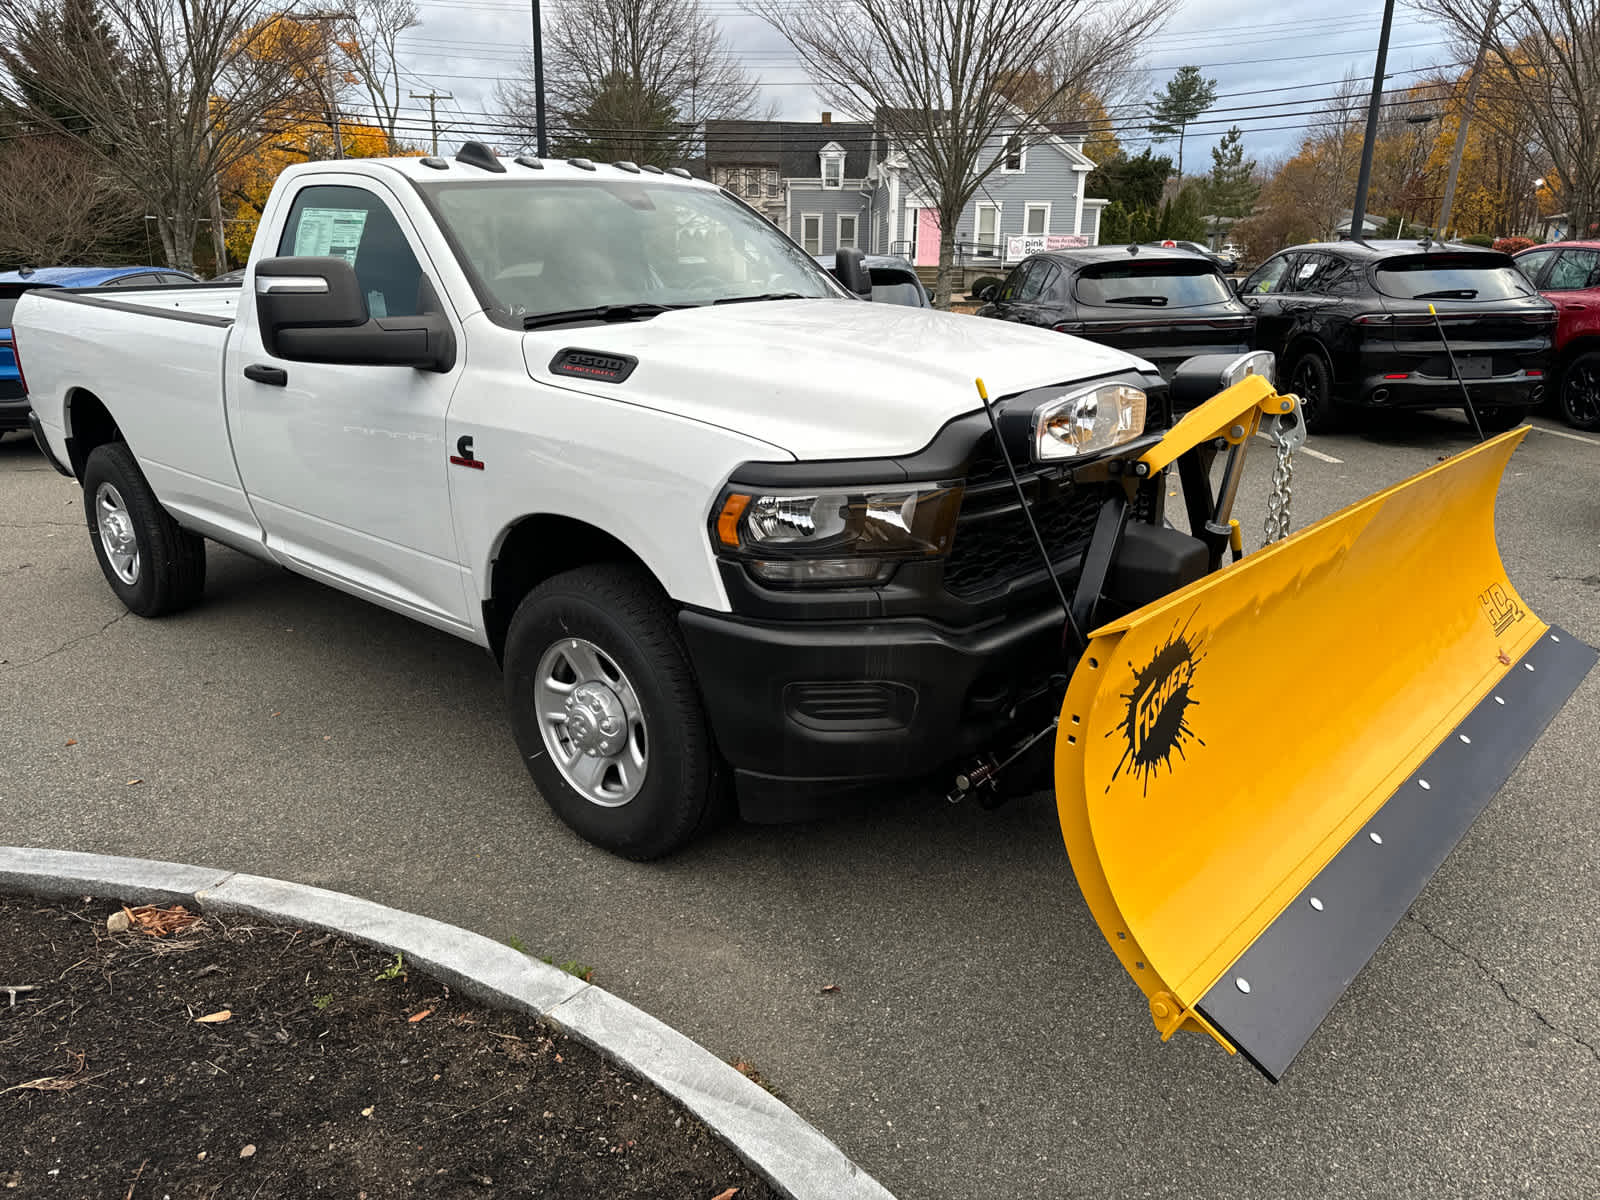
point(1163, 305)
point(1224, 257)
point(1568, 275)
point(13, 399)
point(1350, 325)
point(894, 279)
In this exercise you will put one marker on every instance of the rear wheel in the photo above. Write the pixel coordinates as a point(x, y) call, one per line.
point(1312, 382)
point(607, 713)
point(153, 564)
point(1580, 391)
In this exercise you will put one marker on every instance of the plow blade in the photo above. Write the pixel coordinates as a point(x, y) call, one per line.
point(1257, 774)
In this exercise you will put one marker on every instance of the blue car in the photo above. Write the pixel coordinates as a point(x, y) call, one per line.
point(13, 395)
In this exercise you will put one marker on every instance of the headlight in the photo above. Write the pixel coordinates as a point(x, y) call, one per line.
point(835, 537)
point(1083, 422)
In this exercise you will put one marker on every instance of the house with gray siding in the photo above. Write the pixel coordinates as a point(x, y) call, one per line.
point(832, 184)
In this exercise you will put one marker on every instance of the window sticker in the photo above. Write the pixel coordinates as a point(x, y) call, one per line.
point(334, 232)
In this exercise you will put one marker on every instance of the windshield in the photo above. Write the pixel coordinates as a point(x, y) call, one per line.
point(1153, 284)
point(1445, 277)
point(548, 247)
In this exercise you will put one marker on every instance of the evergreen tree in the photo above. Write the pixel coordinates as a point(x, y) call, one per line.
point(625, 120)
point(40, 99)
point(1186, 96)
point(1231, 189)
point(1134, 182)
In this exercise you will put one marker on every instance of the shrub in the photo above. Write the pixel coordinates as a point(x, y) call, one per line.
point(1477, 239)
point(1510, 245)
point(983, 281)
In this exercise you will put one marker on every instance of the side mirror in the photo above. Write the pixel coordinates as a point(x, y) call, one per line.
point(312, 310)
point(987, 293)
point(850, 269)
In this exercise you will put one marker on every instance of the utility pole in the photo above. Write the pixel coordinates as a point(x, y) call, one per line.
point(542, 141)
point(321, 18)
point(433, 99)
point(1358, 217)
point(1460, 147)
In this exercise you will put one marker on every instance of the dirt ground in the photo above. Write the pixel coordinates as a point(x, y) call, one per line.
point(219, 1060)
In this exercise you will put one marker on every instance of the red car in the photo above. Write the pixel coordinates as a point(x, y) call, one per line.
point(1568, 273)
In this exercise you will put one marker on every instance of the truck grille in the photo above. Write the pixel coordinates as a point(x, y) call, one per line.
point(993, 545)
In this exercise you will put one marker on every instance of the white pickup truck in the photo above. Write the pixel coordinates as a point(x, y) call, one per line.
point(728, 529)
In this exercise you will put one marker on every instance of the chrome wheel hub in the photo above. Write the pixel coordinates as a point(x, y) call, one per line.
point(117, 538)
point(591, 722)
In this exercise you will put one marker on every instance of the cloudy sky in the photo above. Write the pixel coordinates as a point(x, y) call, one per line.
point(1274, 65)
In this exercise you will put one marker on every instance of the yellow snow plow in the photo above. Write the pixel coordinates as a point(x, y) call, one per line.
point(1257, 774)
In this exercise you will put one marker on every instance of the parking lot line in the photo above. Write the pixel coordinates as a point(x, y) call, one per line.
point(1317, 454)
point(1576, 437)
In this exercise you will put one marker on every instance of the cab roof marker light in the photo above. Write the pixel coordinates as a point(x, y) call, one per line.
point(528, 160)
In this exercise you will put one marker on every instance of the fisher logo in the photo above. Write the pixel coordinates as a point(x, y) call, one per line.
point(1157, 723)
point(1500, 608)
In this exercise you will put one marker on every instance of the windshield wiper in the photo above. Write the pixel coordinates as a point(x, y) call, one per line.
point(1448, 294)
point(763, 296)
point(1152, 300)
point(599, 312)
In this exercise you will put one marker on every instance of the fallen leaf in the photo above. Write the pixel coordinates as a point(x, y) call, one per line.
point(367, 1112)
point(215, 1018)
point(278, 714)
point(201, 1157)
point(1504, 658)
point(158, 922)
point(727, 1195)
point(132, 782)
point(828, 988)
point(72, 741)
point(248, 1150)
point(415, 1017)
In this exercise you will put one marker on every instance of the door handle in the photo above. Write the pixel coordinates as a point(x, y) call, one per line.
point(272, 376)
point(1574, 307)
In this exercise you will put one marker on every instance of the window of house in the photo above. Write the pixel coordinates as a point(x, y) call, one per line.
point(1016, 155)
point(832, 170)
point(847, 231)
point(988, 234)
point(811, 232)
point(1037, 221)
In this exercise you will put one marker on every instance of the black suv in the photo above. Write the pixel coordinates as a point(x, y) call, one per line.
point(1350, 325)
point(1163, 305)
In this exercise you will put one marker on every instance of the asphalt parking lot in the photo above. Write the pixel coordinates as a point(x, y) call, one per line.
point(982, 1042)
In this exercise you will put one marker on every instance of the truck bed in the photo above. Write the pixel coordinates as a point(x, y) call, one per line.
point(159, 353)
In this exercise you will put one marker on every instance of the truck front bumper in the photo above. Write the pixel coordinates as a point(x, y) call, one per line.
point(808, 712)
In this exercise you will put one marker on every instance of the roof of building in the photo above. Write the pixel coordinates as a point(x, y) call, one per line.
point(791, 146)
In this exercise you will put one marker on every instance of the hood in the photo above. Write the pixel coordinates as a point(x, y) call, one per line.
point(822, 378)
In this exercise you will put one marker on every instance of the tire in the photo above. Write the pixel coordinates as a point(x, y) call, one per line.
point(608, 636)
point(152, 563)
point(1310, 379)
point(1580, 391)
point(1499, 418)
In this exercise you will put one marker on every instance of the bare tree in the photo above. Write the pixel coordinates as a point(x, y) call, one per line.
point(57, 204)
point(194, 93)
point(636, 76)
point(1546, 53)
point(938, 76)
point(370, 44)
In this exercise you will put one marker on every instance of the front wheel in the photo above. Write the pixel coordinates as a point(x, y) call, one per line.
point(1580, 391)
point(153, 564)
point(607, 713)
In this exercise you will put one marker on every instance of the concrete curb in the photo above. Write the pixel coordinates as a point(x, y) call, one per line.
point(793, 1155)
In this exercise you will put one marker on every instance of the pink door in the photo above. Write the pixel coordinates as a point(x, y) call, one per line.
point(927, 253)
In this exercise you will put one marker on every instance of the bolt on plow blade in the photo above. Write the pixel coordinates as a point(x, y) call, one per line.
point(1257, 774)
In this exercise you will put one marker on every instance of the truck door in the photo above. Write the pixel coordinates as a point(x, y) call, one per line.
point(346, 466)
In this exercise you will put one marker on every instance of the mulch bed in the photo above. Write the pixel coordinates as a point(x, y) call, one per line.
point(336, 1070)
